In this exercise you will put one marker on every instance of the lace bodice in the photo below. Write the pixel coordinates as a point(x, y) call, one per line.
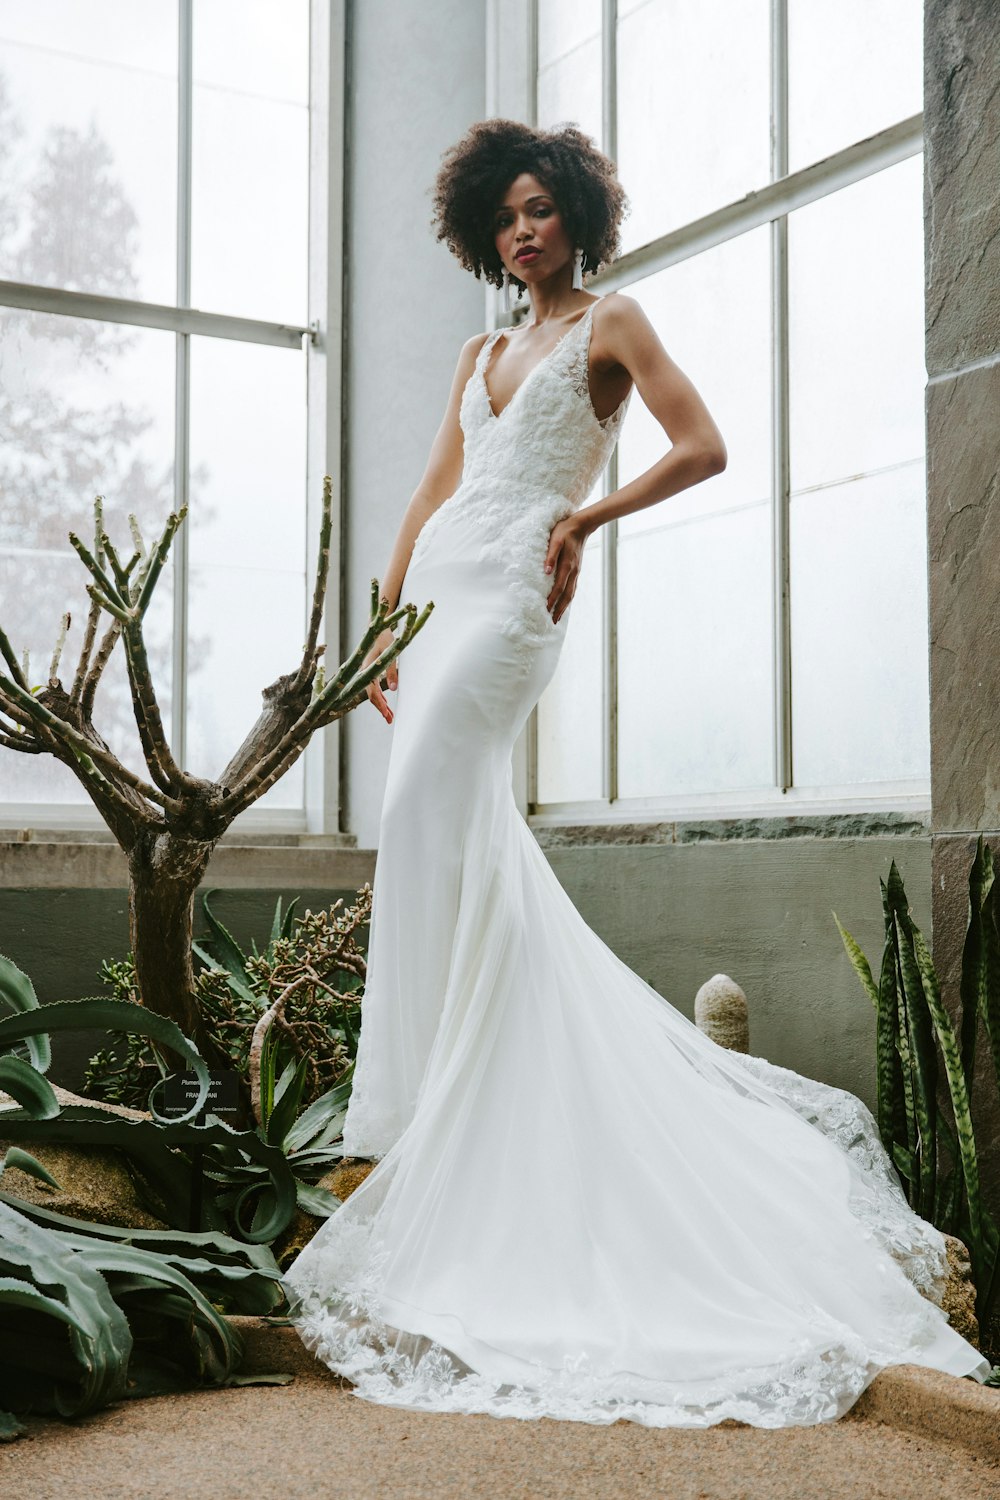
point(548, 428)
point(527, 468)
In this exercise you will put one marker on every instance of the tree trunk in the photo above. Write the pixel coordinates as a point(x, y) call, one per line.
point(164, 873)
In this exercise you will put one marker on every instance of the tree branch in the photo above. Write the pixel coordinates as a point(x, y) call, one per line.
point(260, 1031)
point(87, 753)
point(309, 654)
point(24, 743)
point(7, 652)
point(331, 703)
point(128, 604)
point(101, 660)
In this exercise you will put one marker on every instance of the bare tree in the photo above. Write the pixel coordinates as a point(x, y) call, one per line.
point(167, 825)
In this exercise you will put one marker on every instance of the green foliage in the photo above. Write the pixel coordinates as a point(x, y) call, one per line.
point(916, 1042)
point(320, 1023)
point(274, 1167)
point(309, 1142)
point(90, 1313)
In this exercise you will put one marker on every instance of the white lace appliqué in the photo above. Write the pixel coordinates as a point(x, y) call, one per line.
point(549, 426)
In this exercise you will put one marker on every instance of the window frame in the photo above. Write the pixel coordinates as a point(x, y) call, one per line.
point(770, 204)
point(320, 812)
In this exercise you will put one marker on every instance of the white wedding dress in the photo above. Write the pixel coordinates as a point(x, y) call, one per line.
point(584, 1208)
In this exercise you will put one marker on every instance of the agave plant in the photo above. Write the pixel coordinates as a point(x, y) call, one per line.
point(917, 1042)
point(165, 1150)
point(91, 1313)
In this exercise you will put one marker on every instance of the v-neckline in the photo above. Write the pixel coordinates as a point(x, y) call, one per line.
point(499, 416)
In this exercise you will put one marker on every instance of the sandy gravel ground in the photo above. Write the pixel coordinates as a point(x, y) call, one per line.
point(313, 1438)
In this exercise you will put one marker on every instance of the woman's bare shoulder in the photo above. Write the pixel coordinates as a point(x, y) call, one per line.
point(618, 309)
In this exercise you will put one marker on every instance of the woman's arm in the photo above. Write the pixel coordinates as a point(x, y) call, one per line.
point(627, 337)
point(440, 479)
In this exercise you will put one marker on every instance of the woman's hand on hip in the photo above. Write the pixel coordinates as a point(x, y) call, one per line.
point(563, 560)
point(390, 680)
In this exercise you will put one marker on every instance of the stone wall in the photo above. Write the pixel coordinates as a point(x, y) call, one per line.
point(962, 229)
point(682, 905)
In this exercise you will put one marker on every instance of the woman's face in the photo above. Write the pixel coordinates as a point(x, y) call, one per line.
point(527, 218)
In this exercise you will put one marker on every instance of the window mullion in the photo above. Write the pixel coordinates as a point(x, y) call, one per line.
point(609, 144)
point(182, 381)
point(780, 476)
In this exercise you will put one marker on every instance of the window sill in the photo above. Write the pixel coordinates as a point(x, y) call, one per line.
point(75, 859)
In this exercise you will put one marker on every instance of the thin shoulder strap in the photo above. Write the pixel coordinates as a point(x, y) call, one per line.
point(487, 345)
point(577, 350)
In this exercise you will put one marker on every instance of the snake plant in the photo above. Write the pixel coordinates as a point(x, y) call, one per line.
point(917, 1045)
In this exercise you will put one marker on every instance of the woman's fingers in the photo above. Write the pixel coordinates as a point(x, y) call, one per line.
point(559, 599)
point(377, 697)
point(565, 579)
point(562, 605)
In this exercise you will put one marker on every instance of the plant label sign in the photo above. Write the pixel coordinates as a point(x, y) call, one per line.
point(180, 1090)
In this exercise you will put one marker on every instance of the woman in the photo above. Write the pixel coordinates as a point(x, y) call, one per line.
point(581, 1207)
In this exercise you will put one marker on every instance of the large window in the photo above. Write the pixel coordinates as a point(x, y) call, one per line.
point(759, 641)
point(154, 197)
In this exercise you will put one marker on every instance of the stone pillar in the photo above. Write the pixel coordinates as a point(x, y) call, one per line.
point(962, 228)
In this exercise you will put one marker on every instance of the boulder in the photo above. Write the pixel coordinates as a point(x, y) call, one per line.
point(95, 1183)
point(959, 1300)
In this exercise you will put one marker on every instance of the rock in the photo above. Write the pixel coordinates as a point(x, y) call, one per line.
point(959, 1300)
point(720, 1011)
point(347, 1175)
point(95, 1183)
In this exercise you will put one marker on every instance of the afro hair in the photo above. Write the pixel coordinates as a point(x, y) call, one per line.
point(477, 171)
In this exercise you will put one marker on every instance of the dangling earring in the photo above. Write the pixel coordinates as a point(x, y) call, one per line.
point(506, 290)
point(578, 270)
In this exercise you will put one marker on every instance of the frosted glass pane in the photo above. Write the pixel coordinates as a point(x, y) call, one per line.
point(571, 714)
point(88, 146)
point(693, 109)
point(859, 630)
point(712, 316)
point(565, 25)
point(247, 603)
point(854, 67)
point(88, 409)
point(569, 89)
point(251, 158)
point(694, 655)
point(856, 328)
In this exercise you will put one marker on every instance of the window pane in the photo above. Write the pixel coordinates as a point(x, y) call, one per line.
point(712, 316)
point(694, 571)
point(854, 67)
point(693, 108)
point(856, 328)
point(860, 707)
point(571, 711)
point(858, 547)
point(88, 146)
point(247, 600)
point(569, 64)
point(87, 409)
point(251, 158)
point(694, 665)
